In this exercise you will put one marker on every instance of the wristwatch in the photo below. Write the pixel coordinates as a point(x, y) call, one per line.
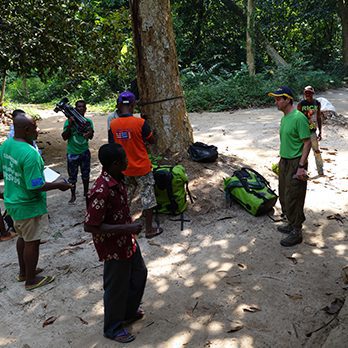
point(301, 165)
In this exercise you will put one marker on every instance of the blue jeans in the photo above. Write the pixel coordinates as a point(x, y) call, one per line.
point(124, 284)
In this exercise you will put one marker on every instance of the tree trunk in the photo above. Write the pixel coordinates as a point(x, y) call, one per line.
point(3, 86)
point(271, 51)
point(161, 96)
point(343, 13)
point(250, 38)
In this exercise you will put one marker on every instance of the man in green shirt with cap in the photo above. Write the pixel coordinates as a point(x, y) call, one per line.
point(25, 198)
point(295, 145)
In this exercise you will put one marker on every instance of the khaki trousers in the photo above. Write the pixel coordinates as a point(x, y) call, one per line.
point(292, 192)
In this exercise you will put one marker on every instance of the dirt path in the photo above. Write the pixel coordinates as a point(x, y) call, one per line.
point(202, 280)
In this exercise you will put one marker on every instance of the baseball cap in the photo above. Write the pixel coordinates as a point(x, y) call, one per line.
point(309, 89)
point(283, 91)
point(126, 97)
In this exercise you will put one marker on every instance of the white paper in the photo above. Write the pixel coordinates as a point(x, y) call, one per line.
point(50, 175)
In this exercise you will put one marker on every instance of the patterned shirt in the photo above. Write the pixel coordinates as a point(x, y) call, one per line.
point(107, 203)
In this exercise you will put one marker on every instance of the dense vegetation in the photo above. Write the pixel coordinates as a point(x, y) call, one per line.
point(85, 50)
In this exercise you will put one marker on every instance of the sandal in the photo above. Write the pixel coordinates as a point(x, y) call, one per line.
point(154, 233)
point(21, 278)
point(138, 315)
point(44, 281)
point(123, 336)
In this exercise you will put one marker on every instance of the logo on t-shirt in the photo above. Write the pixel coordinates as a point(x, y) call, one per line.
point(124, 134)
point(37, 182)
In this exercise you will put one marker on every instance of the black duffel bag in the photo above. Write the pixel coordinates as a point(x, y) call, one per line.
point(200, 152)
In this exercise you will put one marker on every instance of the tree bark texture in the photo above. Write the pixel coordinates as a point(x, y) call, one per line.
point(161, 96)
point(343, 13)
point(250, 38)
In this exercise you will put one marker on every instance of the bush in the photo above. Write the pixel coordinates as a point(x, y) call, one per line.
point(239, 90)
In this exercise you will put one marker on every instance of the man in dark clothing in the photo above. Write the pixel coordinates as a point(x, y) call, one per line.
point(312, 109)
point(114, 236)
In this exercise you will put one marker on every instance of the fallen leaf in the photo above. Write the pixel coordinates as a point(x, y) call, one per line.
point(334, 307)
point(294, 296)
point(49, 321)
point(235, 326)
point(251, 309)
point(78, 242)
point(336, 216)
point(293, 259)
point(83, 321)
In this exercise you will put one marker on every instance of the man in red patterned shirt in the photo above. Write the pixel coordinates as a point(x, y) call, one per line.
point(114, 236)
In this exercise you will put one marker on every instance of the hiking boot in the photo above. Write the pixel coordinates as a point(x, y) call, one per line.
point(294, 237)
point(285, 229)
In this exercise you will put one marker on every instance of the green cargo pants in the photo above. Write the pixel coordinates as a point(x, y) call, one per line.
point(292, 192)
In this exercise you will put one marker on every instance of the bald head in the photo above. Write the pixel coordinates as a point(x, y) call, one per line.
point(25, 128)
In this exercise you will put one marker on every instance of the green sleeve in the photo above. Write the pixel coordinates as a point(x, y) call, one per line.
point(66, 123)
point(33, 171)
point(303, 128)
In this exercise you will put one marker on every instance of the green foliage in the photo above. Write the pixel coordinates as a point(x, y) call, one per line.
point(239, 90)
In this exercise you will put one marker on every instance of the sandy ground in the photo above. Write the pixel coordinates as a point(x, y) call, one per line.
point(202, 280)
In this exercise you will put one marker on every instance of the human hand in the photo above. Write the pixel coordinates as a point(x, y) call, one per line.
point(135, 228)
point(319, 136)
point(63, 185)
point(301, 174)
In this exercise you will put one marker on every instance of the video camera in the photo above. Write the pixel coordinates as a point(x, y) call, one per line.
point(82, 125)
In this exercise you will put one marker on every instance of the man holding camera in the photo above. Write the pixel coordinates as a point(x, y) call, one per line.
point(78, 154)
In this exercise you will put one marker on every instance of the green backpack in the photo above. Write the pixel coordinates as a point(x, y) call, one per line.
point(251, 190)
point(171, 187)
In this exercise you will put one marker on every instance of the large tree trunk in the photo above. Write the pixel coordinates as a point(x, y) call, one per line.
point(3, 86)
point(161, 96)
point(250, 38)
point(343, 13)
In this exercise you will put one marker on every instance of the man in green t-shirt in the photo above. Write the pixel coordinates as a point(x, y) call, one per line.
point(295, 145)
point(25, 198)
point(78, 154)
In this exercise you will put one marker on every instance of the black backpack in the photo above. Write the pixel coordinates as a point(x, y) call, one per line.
point(200, 152)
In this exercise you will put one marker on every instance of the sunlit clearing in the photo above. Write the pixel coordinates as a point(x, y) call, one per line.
point(209, 280)
point(194, 250)
point(158, 304)
point(341, 249)
point(81, 292)
point(246, 341)
point(6, 341)
point(180, 340)
point(341, 235)
point(161, 285)
point(197, 294)
point(215, 327)
point(317, 252)
point(163, 265)
point(98, 308)
point(187, 232)
point(196, 326)
point(212, 264)
point(224, 244)
point(243, 249)
point(189, 282)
